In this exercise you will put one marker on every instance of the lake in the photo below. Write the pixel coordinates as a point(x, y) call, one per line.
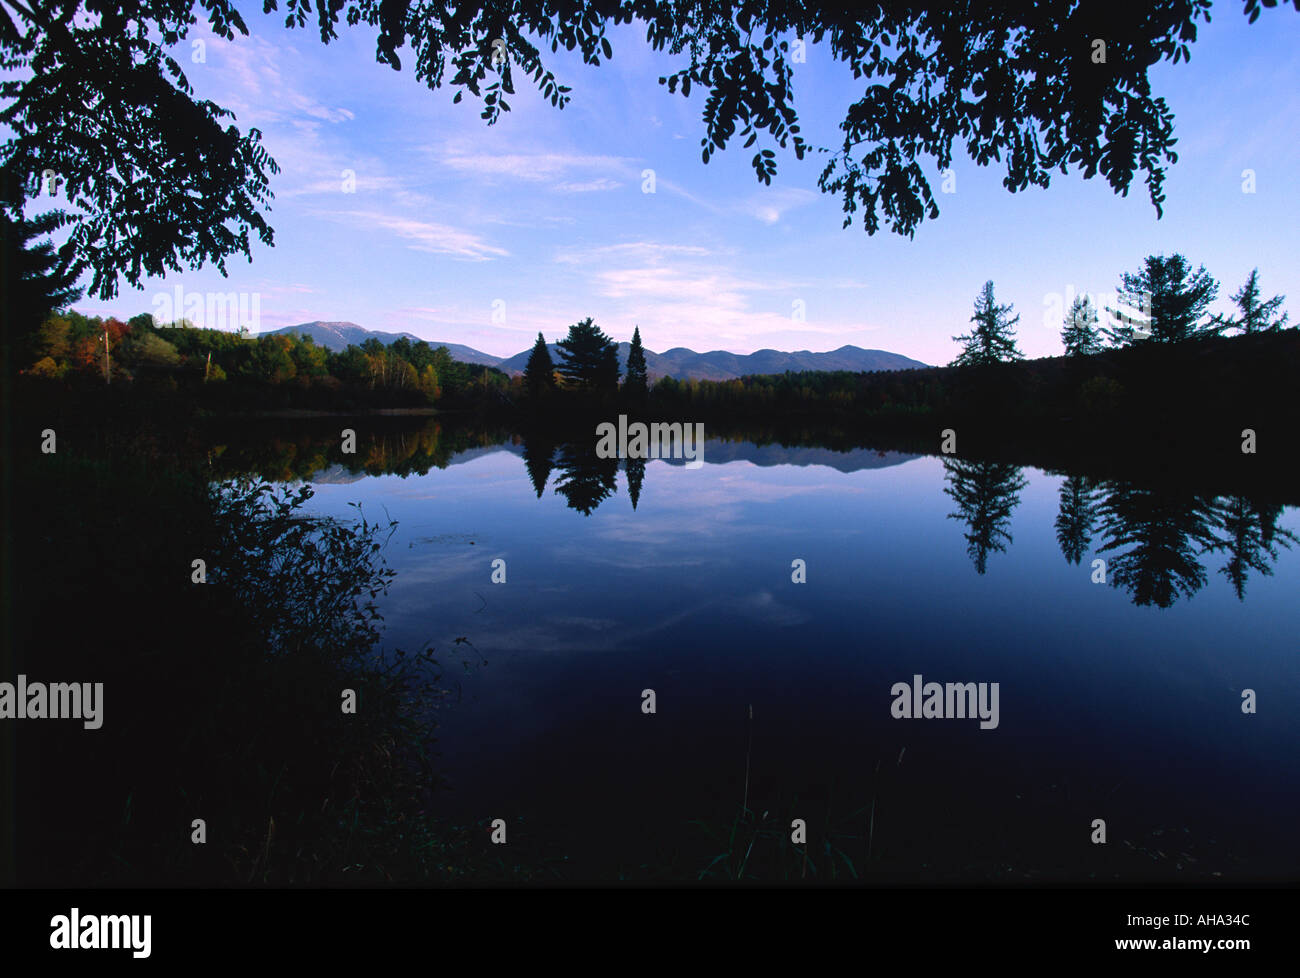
point(1119, 701)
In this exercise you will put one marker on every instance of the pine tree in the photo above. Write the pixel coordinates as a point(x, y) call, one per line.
point(1170, 299)
point(35, 280)
point(993, 339)
point(636, 384)
point(539, 374)
point(1256, 316)
point(589, 359)
point(1081, 335)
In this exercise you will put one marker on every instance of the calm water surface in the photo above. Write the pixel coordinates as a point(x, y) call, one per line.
point(1120, 702)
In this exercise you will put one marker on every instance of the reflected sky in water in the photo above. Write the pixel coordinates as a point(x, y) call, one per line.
point(1118, 701)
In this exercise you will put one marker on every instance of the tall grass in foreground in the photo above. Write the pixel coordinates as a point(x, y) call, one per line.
point(762, 846)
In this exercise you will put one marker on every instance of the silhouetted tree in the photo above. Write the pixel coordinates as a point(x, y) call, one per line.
point(986, 494)
point(993, 338)
point(1256, 316)
point(539, 373)
point(1080, 334)
point(134, 122)
point(1156, 537)
point(635, 385)
point(35, 280)
point(1075, 518)
point(1164, 303)
point(589, 359)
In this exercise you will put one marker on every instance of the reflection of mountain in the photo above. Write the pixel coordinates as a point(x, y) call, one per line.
point(717, 451)
point(470, 454)
point(335, 475)
point(1156, 540)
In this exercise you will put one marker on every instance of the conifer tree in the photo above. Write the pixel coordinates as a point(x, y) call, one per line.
point(539, 374)
point(993, 338)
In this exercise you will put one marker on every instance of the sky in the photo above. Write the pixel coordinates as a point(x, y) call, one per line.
point(464, 233)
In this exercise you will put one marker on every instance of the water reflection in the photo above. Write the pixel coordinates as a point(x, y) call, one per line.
point(1155, 540)
point(986, 494)
point(1077, 517)
point(585, 480)
point(1251, 538)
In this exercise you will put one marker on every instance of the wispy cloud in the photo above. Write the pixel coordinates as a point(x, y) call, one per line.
point(533, 167)
point(424, 235)
point(590, 186)
point(775, 202)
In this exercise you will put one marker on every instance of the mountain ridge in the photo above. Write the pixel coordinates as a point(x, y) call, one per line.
point(681, 363)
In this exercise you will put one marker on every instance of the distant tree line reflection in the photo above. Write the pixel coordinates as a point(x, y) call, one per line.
point(1156, 541)
point(1152, 539)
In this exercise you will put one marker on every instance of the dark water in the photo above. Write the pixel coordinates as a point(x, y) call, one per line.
point(1119, 701)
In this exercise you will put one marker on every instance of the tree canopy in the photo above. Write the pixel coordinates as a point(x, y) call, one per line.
point(589, 359)
point(1174, 303)
point(158, 181)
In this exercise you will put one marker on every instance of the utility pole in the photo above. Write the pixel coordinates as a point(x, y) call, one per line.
point(208, 367)
point(106, 371)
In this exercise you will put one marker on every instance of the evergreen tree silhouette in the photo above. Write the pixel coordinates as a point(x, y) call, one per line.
point(1081, 335)
point(636, 384)
point(589, 360)
point(539, 373)
point(993, 338)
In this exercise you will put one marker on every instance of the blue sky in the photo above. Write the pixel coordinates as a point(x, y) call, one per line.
point(460, 232)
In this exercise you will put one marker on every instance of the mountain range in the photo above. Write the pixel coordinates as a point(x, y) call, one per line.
point(679, 362)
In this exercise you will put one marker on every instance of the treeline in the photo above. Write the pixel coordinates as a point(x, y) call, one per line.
point(1153, 352)
point(1156, 353)
point(1209, 377)
point(235, 371)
